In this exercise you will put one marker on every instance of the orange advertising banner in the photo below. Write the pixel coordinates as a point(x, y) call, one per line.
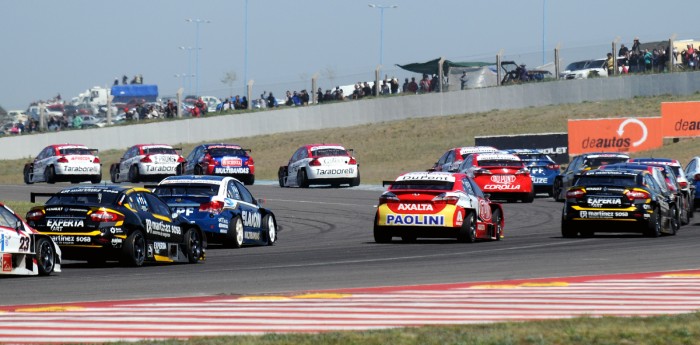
point(681, 119)
point(625, 134)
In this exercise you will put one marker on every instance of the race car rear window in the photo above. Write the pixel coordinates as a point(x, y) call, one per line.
point(423, 185)
point(226, 151)
point(533, 157)
point(500, 163)
point(189, 190)
point(83, 198)
point(619, 181)
point(160, 151)
point(74, 151)
point(596, 162)
point(329, 152)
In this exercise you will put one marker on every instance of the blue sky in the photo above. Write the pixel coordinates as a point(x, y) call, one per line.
point(67, 46)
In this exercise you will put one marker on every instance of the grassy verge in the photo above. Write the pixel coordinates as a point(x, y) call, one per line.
point(387, 149)
point(679, 329)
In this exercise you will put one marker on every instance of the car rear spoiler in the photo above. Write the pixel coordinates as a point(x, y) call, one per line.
point(174, 148)
point(151, 186)
point(34, 195)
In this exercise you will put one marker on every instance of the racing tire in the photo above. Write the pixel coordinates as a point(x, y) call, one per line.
point(302, 180)
point(685, 212)
point(675, 221)
point(529, 198)
point(249, 181)
point(556, 190)
point(234, 237)
point(281, 174)
point(113, 175)
point(356, 181)
point(568, 230)
point(97, 179)
point(691, 207)
point(409, 238)
point(27, 172)
point(134, 174)
point(45, 256)
point(587, 233)
point(134, 250)
point(50, 175)
point(467, 233)
point(653, 226)
point(497, 219)
point(193, 246)
point(380, 235)
point(270, 229)
point(198, 170)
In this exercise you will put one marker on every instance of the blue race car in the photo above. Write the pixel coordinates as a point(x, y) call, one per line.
point(542, 168)
point(222, 207)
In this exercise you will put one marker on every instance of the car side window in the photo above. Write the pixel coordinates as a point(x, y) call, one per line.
point(192, 154)
point(138, 202)
point(157, 206)
point(245, 194)
point(296, 156)
point(442, 159)
point(574, 166)
point(232, 191)
point(450, 157)
point(690, 168)
point(7, 219)
point(467, 186)
point(651, 183)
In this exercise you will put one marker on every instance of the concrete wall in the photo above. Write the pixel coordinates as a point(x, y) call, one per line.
point(353, 113)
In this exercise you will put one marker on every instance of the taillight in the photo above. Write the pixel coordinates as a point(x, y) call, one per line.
point(251, 161)
point(180, 159)
point(103, 215)
point(445, 199)
point(352, 161)
point(62, 159)
point(96, 160)
point(575, 193)
point(35, 215)
point(683, 184)
point(479, 172)
point(553, 166)
point(388, 197)
point(636, 195)
point(696, 177)
point(146, 159)
point(315, 163)
point(212, 207)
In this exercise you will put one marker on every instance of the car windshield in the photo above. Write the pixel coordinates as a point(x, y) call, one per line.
point(187, 189)
point(576, 65)
point(500, 163)
point(160, 151)
point(422, 185)
point(83, 198)
point(329, 152)
point(595, 64)
point(620, 181)
point(75, 151)
point(598, 161)
point(226, 151)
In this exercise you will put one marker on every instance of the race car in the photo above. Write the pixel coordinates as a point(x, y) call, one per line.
point(222, 207)
point(543, 169)
point(692, 175)
point(129, 224)
point(64, 163)
point(686, 188)
point(221, 159)
point(147, 162)
point(580, 163)
point(502, 175)
point(320, 164)
point(23, 251)
point(436, 205)
point(618, 200)
point(451, 159)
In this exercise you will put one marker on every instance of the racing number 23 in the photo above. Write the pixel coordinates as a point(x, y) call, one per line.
point(24, 244)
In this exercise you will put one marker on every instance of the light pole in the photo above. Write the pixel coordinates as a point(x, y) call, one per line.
point(196, 47)
point(381, 29)
point(544, 27)
point(245, 49)
point(189, 66)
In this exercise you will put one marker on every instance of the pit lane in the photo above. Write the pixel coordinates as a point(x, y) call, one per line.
point(325, 242)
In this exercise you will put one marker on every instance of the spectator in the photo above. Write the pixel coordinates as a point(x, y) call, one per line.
point(394, 85)
point(288, 101)
point(623, 50)
point(434, 83)
point(404, 87)
point(413, 86)
point(304, 97)
point(464, 79)
point(610, 65)
point(271, 101)
point(385, 88)
point(328, 96)
point(690, 56)
point(647, 60)
point(244, 102)
point(124, 79)
point(77, 122)
point(424, 84)
point(367, 90)
point(319, 95)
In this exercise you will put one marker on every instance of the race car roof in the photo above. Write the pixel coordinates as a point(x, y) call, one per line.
point(657, 161)
point(500, 156)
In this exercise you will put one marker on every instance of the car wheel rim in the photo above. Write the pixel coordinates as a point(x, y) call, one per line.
point(46, 256)
point(194, 244)
point(139, 248)
point(239, 232)
point(271, 230)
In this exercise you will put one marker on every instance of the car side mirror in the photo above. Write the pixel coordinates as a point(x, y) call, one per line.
point(19, 226)
point(260, 201)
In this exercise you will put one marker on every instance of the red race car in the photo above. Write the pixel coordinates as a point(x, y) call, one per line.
point(502, 175)
point(436, 205)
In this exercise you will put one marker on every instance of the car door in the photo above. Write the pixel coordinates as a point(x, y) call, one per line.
point(193, 159)
point(690, 170)
point(156, 219)
point(295, 164)
point(41, 162)
point(250, 214)
point(126, 162)
point(568, 175)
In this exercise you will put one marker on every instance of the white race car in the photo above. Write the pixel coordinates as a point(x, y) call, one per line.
point(64, 162)
point(320, 164)
point(23, 251)
point(147, 162)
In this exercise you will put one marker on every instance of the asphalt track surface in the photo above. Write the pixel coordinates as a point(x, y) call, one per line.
point(325, 242)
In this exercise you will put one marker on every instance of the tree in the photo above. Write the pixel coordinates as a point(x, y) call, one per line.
point(229, 78)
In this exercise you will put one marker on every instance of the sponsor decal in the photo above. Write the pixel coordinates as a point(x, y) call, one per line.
point(61, 239)
point(500, 187)
point(232, 170)
point(54, 209)
point(80, 158)
point(251, 219)
point(184, 210)
point(116, 242)
point(3, 242)
point(418, 219)
point(600, 202)
point(165, 158)
point(335, 171)
point(539, 180)
point(415, 207)
point(459, 219)
point(250, 235)
point(615, 135)
point(159, 246)
point(484, 210)
point(59, 224)
point(6, 262)
point(602, 214)
point(536, 170)
point(90, 169)
point(160, 168)
point(231, 162)
point(503, 179)
point(427, 177)
point(334, 160)
point(162, 229)
point(680, 119)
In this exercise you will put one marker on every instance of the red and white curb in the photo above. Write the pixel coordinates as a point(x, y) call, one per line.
point(354, 309)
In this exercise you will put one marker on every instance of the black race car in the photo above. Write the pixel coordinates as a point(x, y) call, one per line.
point(128, 224)
point(618, 200)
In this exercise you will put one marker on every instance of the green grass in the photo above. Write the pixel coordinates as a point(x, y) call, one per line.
point(20, 207)
point(661, 330)
point(387, 149)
